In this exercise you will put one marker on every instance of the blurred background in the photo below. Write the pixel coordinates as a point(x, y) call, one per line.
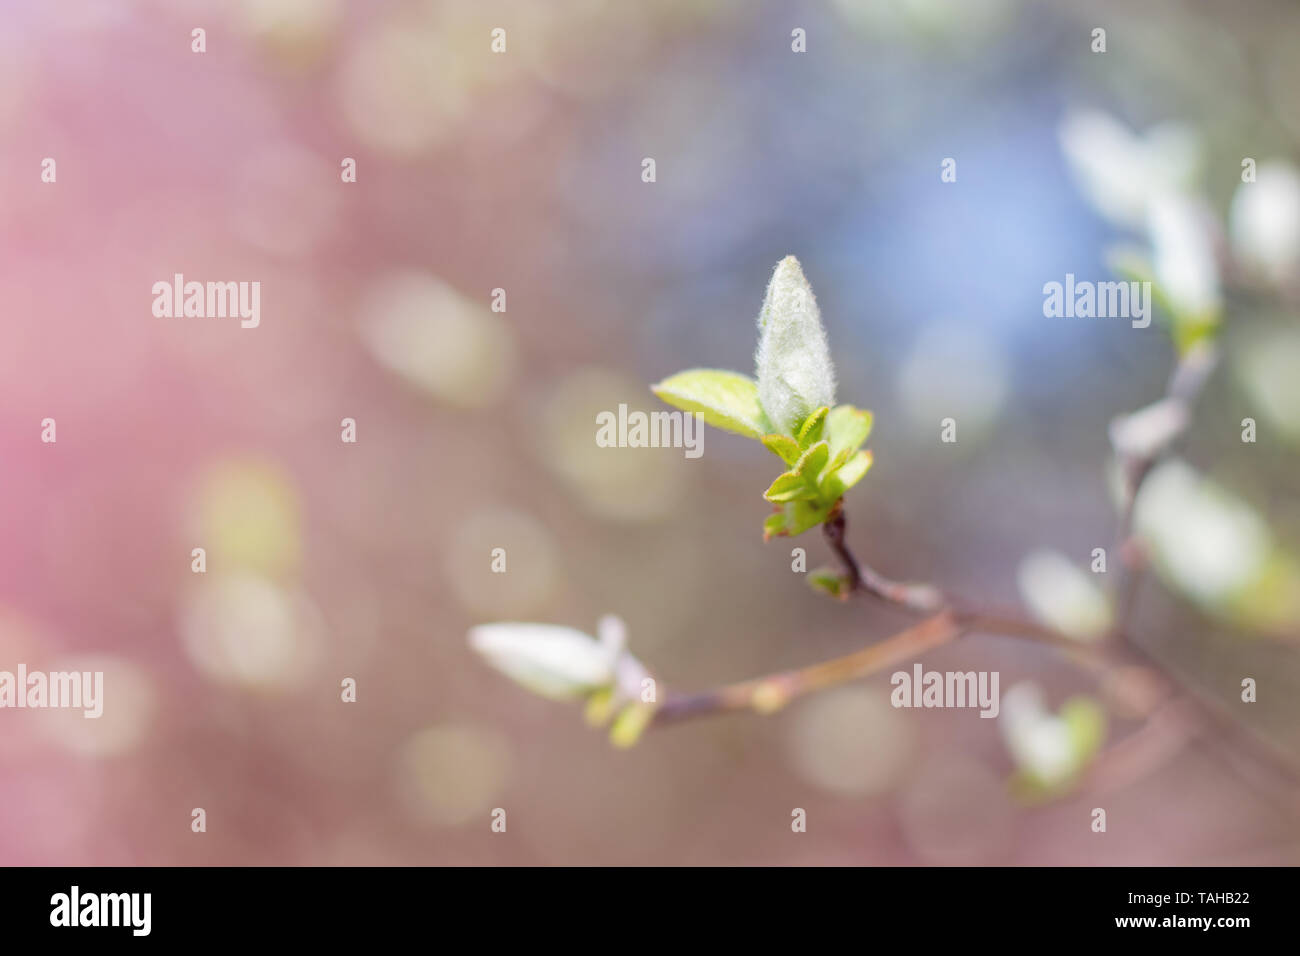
point(521, 171)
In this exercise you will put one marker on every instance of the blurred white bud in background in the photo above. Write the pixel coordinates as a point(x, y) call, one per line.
point(1122, 172)
point(1038, 741)
point(1264, 222)
point(561, 663)
point(1063, 596)
point(1207, 542)
point(1184, 234)
point(1049, 748)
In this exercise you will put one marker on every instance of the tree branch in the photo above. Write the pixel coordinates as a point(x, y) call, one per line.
point(923, 598)
point(769, 694)
point(926, 598)
point(1188, 379)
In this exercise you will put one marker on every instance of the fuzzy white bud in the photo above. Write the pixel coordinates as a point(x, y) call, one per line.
point(1265, 221)
point(556, 662)
point(794, 370)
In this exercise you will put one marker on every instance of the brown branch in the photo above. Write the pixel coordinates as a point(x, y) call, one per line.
point(1181, 723)
point(1167, 731)
point(1192, 713)
point(926, 598)
point(923, 598)
point(1192, 717)
point(949, 620)
point(1188, 379)
point(1136, 684)
point(771, 693)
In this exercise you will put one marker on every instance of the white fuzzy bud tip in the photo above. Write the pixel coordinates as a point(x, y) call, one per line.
point(795, 374)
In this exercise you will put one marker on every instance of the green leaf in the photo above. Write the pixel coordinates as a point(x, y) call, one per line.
point(728, 400)
point(829, 581)
point(774, 524)
point(812, 462)
point(835, 483)
point(846, 429)
point(800, 482)
point(600, 707)
point(631, 723)
point(811, 430)
point(1085, 719)
point(1189, 330)
point(784, 446)
point(789, 487)
point(795, 517)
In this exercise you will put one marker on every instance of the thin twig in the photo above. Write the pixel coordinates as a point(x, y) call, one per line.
point(1186, 382)
point(928, 599)
point(1165, 734)
point(949, 620)
point(923, 598)
point(770, 693)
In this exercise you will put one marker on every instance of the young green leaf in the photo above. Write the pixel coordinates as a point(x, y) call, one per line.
point(790, 487)
point(811, 430)
point(846, 429)
point(839, 480)
point(728, 400)
point(774, 524)
point(829, 581)
point(631, 723)
point(1085, 720)
point(795, 517)
point(813, 461)
point(800, 482)
point(785, 447)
